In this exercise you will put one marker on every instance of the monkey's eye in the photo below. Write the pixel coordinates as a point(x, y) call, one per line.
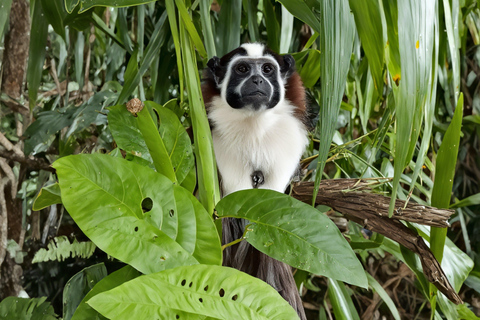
point(241, 68)
point(267, 68)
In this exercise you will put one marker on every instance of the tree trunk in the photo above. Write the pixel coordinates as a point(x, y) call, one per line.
point(14, 64)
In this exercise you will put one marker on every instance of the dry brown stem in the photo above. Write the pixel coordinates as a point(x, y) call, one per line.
point(353, 198)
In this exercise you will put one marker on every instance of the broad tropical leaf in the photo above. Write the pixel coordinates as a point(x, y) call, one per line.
point(134, 214)
point(194, 292)
point(294, 232)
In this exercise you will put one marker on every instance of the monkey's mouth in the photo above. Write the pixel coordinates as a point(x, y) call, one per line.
point(256, 93)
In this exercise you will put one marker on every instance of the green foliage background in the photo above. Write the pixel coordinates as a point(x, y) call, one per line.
point(393, 92)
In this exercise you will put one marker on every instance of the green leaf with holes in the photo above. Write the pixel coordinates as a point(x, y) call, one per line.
point(295, 233)
point(135, 214)
point(193, 292)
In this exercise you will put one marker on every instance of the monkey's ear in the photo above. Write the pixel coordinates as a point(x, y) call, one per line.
point(214, 65)
point(288, 65)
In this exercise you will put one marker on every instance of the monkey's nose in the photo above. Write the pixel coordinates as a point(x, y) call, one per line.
point(257, 80)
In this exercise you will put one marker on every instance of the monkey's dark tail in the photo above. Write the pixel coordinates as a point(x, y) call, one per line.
point(246, 258)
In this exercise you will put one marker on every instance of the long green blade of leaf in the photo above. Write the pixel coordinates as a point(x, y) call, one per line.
point(228, 31)
point(444, 173)
point(415, 33)
point(373, 283)
point(172, 19)
point(36, 52)
point(286, 31)
point(207, 28)
point(336, 41)
point(4, 13)
point(301, 10)
point(251, 9)
point(188, 24)
point(369, 26)
point(271, 23)
point(429, 107)
point(134, 73)
point(342, 303)
point(209, 190)
point(87, 4)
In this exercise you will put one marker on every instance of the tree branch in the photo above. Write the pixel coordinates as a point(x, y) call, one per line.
point(351, 197)
point(31, 163)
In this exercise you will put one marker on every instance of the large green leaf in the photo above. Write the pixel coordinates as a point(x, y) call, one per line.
point(84, 311)
point(294, 232)
point(369, 27)
point(184, 292)
point(79, 285)
point(175, 230)
point(26, 309)
point(337, 31)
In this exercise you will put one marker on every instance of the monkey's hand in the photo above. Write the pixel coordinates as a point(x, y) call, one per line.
point(257, 179)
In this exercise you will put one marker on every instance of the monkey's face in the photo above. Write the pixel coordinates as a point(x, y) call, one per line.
point(255, 82)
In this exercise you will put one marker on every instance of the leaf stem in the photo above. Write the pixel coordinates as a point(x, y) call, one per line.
point(239, 239)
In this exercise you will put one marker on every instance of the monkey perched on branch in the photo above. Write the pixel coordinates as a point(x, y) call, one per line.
point(256, 107)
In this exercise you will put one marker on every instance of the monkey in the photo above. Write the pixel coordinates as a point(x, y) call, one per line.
point(256, 106)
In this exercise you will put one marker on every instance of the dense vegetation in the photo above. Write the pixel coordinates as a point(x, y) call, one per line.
point(102, 211)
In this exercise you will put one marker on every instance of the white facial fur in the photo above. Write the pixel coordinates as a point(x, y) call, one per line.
point(250, 47)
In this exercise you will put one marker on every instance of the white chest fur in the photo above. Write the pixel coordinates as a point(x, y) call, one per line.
point(271, 141)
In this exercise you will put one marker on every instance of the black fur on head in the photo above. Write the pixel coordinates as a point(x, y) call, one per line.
point(251, 76)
